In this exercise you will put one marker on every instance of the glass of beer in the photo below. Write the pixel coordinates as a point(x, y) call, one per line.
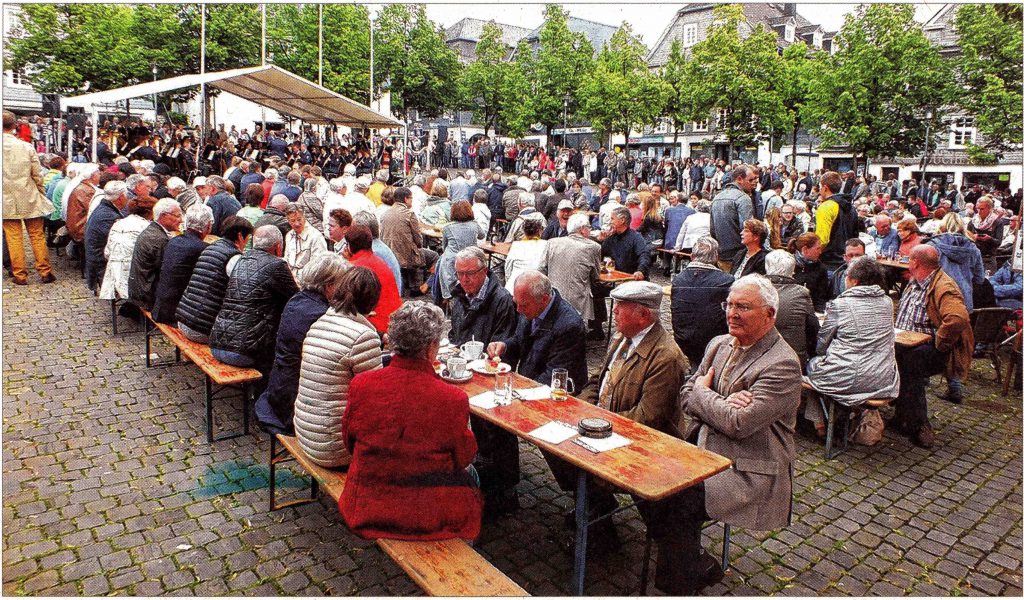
point(561, 384)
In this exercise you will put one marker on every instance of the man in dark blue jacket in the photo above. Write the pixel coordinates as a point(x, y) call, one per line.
point(97, 230)
point(221, 202)
point(549, 336)
point(180, 256)
point(697, 295)
point(252, 175)
point(675, 215)
point(628, 249)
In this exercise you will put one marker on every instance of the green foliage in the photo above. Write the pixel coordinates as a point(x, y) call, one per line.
point(68, 45)
point(673, 73)
point(874, 91)
point(562, 63)
point(729, 73)
point(293, 29)
point(622, 93)
point(800, 68)
point(989, 71)
point(412, 58)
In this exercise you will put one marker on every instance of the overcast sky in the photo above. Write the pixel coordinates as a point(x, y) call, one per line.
point(648, 19)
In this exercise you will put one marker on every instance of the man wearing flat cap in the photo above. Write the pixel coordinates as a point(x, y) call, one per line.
point(640, 380)
point(559, 226)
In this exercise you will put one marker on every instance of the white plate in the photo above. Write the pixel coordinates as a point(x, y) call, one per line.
point(479, 365)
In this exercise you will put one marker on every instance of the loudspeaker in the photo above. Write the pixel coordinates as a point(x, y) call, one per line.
point(51, 105)
point(442, 134)
point(76, 121)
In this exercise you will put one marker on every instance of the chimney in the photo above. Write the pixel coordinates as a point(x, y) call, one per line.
point(789, 10)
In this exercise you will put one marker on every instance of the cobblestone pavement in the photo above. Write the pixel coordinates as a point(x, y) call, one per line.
point(109, 487)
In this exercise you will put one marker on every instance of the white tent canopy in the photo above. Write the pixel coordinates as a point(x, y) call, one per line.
point(267, 85)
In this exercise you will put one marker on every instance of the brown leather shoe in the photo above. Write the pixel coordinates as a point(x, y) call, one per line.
point(19, 281)
point(50, 278)
point(925, 437)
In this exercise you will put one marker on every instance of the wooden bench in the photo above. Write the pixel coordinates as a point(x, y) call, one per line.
point(215, 372)
point(829, 409)
point(440, 568)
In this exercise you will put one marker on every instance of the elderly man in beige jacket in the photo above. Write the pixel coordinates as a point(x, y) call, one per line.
point(24, 202)
point(741, 404)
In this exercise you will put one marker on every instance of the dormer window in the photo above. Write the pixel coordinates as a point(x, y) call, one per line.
point(790, 32)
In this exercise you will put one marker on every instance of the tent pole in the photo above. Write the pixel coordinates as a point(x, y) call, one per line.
point(200, 143)
point(95, 132)
point(71, 141)
point(320, 42)
point(405, 148)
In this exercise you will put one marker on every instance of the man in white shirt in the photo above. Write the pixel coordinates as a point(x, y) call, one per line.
point(356, 200)
point(302, 243)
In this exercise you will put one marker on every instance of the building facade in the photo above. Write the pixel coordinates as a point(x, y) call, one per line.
point(949, 161)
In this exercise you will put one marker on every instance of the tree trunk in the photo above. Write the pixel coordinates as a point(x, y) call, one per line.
point(796, 127)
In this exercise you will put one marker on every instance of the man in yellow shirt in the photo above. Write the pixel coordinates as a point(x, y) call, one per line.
point(835, 222)
point(377, 187)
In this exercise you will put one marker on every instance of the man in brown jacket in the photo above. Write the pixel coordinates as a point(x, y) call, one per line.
point(741, 404)
point(931, 304)
point(400, 230)
point(24, 202)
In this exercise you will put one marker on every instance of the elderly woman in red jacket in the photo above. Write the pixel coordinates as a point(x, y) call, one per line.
point(408, 434)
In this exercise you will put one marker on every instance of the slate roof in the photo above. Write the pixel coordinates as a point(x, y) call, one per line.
point(770, 15)
point(470, 29)
point(597, 33)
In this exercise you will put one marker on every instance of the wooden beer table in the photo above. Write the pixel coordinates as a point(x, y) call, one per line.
point(911, 339)
point(615, 278)
point(653, 466)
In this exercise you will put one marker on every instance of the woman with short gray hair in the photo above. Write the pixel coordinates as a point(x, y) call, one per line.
point(320, 280)
point(856, 345)
point(412, 449)
point(338, 346)
point(694, 227)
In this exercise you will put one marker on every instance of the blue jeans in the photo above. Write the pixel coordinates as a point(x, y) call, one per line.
point(233, 358)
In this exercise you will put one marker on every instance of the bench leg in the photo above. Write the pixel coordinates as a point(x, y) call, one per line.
point(210, 396)
point(149, 329)
point(280, 456)
point(580, 562)
point(113, 316)
point(725, 547)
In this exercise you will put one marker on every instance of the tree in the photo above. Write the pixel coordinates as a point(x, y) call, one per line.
point(68, 48)
point(413, 61)
point(875, 91)
point(989, 73)
point(622, 93)
point(483, 80)
point(294, 29)
point(562, 63)
point(800, 68)
point(733, 76)
point(673, 73)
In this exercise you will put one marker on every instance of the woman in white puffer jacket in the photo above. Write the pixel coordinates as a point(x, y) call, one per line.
point(341, 344)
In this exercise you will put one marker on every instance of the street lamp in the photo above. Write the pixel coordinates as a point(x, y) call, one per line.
point(927, 134)
point(565, 118)
point(155, 109)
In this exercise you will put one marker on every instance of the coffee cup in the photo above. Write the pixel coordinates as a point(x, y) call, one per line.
point(457, 367)
point(472, 350)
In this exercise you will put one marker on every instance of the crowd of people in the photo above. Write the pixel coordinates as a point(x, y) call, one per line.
point(341, 288)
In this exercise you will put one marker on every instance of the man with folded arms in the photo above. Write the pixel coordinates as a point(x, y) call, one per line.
point(741, 404)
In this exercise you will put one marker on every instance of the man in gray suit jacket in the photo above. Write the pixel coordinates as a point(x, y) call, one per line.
point(742, 404)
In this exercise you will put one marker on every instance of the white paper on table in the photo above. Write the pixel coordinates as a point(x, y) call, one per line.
point(484, 401)
point(602, 444)
point(538, 393)
point(554, 432)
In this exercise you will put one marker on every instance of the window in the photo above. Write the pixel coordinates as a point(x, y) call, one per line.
point(662, 126)
point(962, 132)
point(790, 32)
point(18, 78)
point(721, 119)
point(700, 125)
point(689, 35)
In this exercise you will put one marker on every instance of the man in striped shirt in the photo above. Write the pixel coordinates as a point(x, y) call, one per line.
point(931, 304)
